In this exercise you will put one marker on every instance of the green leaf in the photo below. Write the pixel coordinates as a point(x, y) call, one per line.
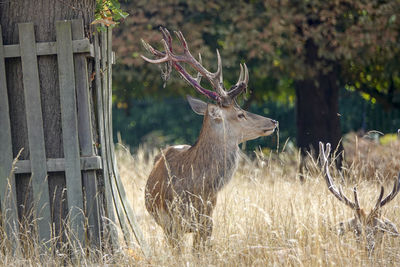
point(392, 19)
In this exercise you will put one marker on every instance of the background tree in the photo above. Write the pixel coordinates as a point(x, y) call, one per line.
point(310, 49)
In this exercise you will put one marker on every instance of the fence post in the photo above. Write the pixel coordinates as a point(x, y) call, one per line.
point(35, 128)
point(86, 137)
point(7, 178)
point(70, 128)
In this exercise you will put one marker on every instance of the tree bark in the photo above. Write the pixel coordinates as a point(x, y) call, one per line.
point(317, 107)
point(43, 13)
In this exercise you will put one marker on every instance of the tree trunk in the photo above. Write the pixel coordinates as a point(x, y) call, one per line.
point(43, 14)
point(317, 107)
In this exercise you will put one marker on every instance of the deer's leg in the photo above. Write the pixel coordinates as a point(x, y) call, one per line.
point(173, 237)
point(172, 232)
point(202, 236)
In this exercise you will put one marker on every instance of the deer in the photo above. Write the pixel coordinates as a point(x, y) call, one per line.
point(181, 190)
point(368, 227)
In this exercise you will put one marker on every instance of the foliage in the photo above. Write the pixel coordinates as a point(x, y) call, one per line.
point(270, 36)
point(358, 114)
point(205, 31)
point(109, 12)
point(388, 139)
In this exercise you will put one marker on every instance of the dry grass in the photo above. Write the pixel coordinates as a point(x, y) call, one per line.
point(265, 217)
point(367, 159)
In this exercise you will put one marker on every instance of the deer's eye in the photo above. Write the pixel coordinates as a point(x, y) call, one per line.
point(241, 115)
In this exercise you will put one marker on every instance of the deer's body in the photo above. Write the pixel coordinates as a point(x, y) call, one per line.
point(181, 191)
point(372, 228)
point(182, 188)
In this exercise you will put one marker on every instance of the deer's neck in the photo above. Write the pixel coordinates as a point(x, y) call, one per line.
point(216, 156)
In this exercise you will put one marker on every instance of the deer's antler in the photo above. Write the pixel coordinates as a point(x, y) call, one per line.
point(215, 78)
point(329, 181)
point(396, 188)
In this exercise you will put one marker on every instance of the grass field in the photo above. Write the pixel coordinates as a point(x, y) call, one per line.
point(266, 217)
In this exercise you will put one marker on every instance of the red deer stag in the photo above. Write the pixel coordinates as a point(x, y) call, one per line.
point(371, 226)
point(181, 191)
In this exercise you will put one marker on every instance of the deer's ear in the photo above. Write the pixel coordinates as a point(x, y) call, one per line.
point(349, 225)
point(197, 105)
point(389, 227)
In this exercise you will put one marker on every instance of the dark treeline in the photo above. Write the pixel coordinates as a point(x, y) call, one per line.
point(156, 122)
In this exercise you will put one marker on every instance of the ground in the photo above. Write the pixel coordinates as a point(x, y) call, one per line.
point(266, 216)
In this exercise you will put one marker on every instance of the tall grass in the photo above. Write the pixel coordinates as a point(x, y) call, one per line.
point(264, 217)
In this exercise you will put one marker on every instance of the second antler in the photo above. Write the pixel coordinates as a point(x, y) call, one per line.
point(324, 154)
point(371, 225)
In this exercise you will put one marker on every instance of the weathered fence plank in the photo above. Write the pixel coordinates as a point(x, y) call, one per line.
point(35, 128)
point(7, 179)
point(107, 100)
point(58, 165)
point(125, 211)
point(70, 128)
point(86, 136)
point(101, 80)
point(50, 48)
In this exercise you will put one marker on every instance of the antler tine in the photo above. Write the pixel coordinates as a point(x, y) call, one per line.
point(347, 201)
point(167, 43)
point(199, 76)
point(322, 154)
point(150, 49)
point(328, 151)
point(182, 39)
point(378, 201)
point(246, 74)
point(241, 74)
point(241, 84)
point(217, 78)
point(167, 36)
point(218, 74)
point(167, 55)
point(329, 181)
point(393, 194)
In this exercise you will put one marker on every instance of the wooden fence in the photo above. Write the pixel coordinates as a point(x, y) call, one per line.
point(83, 164)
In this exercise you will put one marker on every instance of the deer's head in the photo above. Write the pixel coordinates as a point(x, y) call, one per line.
point(223, 116)
point(370, 226)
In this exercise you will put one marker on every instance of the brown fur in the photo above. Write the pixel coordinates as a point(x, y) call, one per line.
point(181, 191)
